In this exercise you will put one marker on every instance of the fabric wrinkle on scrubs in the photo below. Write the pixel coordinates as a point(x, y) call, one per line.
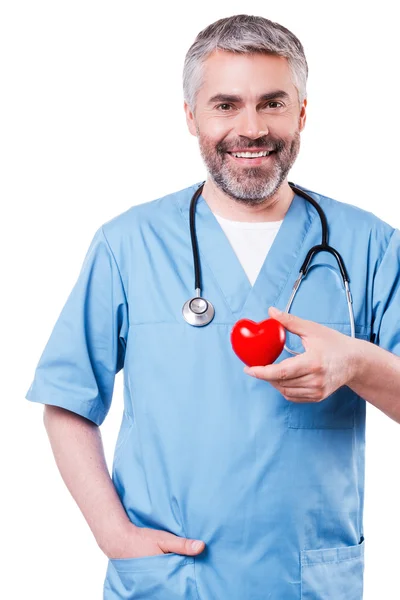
point(274, 488)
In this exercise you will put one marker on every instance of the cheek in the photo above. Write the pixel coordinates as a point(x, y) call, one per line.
point(215, 128)
point(287, 127)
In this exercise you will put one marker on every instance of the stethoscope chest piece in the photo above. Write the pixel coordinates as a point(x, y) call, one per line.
point(198, 311)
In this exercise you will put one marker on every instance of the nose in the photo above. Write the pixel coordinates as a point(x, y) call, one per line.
point(251, 124)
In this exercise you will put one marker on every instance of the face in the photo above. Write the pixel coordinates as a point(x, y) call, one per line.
point(247, 103)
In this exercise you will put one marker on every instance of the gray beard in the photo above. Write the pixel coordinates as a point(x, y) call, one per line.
point(251, 187)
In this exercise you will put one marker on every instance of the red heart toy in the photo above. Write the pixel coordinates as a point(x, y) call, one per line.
point(258, 343)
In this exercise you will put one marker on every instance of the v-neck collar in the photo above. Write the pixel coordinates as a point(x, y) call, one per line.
point(215, 250)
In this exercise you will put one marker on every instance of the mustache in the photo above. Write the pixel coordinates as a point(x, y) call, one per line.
point(265, 144)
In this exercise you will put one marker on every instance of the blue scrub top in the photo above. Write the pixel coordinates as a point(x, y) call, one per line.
point(274, 488)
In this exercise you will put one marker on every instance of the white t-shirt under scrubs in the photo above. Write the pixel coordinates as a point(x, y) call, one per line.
point(250, 241)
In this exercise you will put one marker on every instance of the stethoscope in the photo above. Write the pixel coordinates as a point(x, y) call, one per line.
point(199, 312)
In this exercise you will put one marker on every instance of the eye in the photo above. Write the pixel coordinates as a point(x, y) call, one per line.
point(274, 102)
point(223, 104)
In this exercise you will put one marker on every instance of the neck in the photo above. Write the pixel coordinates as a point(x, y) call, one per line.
point(272, 209)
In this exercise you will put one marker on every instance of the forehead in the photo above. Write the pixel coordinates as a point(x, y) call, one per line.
point(244, 74)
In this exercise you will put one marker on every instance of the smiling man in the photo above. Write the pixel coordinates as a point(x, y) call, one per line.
point(226, 486)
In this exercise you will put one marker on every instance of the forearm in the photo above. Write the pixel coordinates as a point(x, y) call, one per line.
point(78, 451)
point(377, 378)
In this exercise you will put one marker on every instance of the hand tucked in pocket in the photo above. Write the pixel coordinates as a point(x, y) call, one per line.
point(138, 542)
point(329, 361)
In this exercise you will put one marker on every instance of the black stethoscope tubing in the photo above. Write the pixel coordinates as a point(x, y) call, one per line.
point(322, 247)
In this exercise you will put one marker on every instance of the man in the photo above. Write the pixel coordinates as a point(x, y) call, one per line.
point(264, 474)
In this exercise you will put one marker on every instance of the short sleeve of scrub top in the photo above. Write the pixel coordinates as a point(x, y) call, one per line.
point(86, 348)
point(386, 298)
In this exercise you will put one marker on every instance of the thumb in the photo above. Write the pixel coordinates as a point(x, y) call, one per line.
point(180, 545)
point(290, 322)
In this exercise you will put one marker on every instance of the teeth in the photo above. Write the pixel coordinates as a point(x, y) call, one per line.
point(250, 154)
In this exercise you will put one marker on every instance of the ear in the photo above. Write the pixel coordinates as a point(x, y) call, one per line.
point(190, 119)
point(303, 116)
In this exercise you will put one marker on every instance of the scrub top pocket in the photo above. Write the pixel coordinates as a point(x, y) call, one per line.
point(337, 411)
point(159, 577)
point(333, 573)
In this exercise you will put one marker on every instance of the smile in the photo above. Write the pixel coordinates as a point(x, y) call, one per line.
point(250, 154)
point(251, 158)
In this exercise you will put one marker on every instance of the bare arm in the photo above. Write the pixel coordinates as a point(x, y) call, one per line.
point(376, 378)
point(78, 450)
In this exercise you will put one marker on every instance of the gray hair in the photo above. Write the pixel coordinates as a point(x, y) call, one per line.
point(244, 34)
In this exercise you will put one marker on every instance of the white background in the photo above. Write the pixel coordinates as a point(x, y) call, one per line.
point(92, 122)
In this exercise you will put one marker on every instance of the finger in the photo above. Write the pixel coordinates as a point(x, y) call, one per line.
point(290, 322)
point(290, 368)
point(298, 394)
point(303, 381)
point(178, 545)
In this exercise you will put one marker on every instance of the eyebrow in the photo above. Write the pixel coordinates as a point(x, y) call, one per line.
point(263, 98)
